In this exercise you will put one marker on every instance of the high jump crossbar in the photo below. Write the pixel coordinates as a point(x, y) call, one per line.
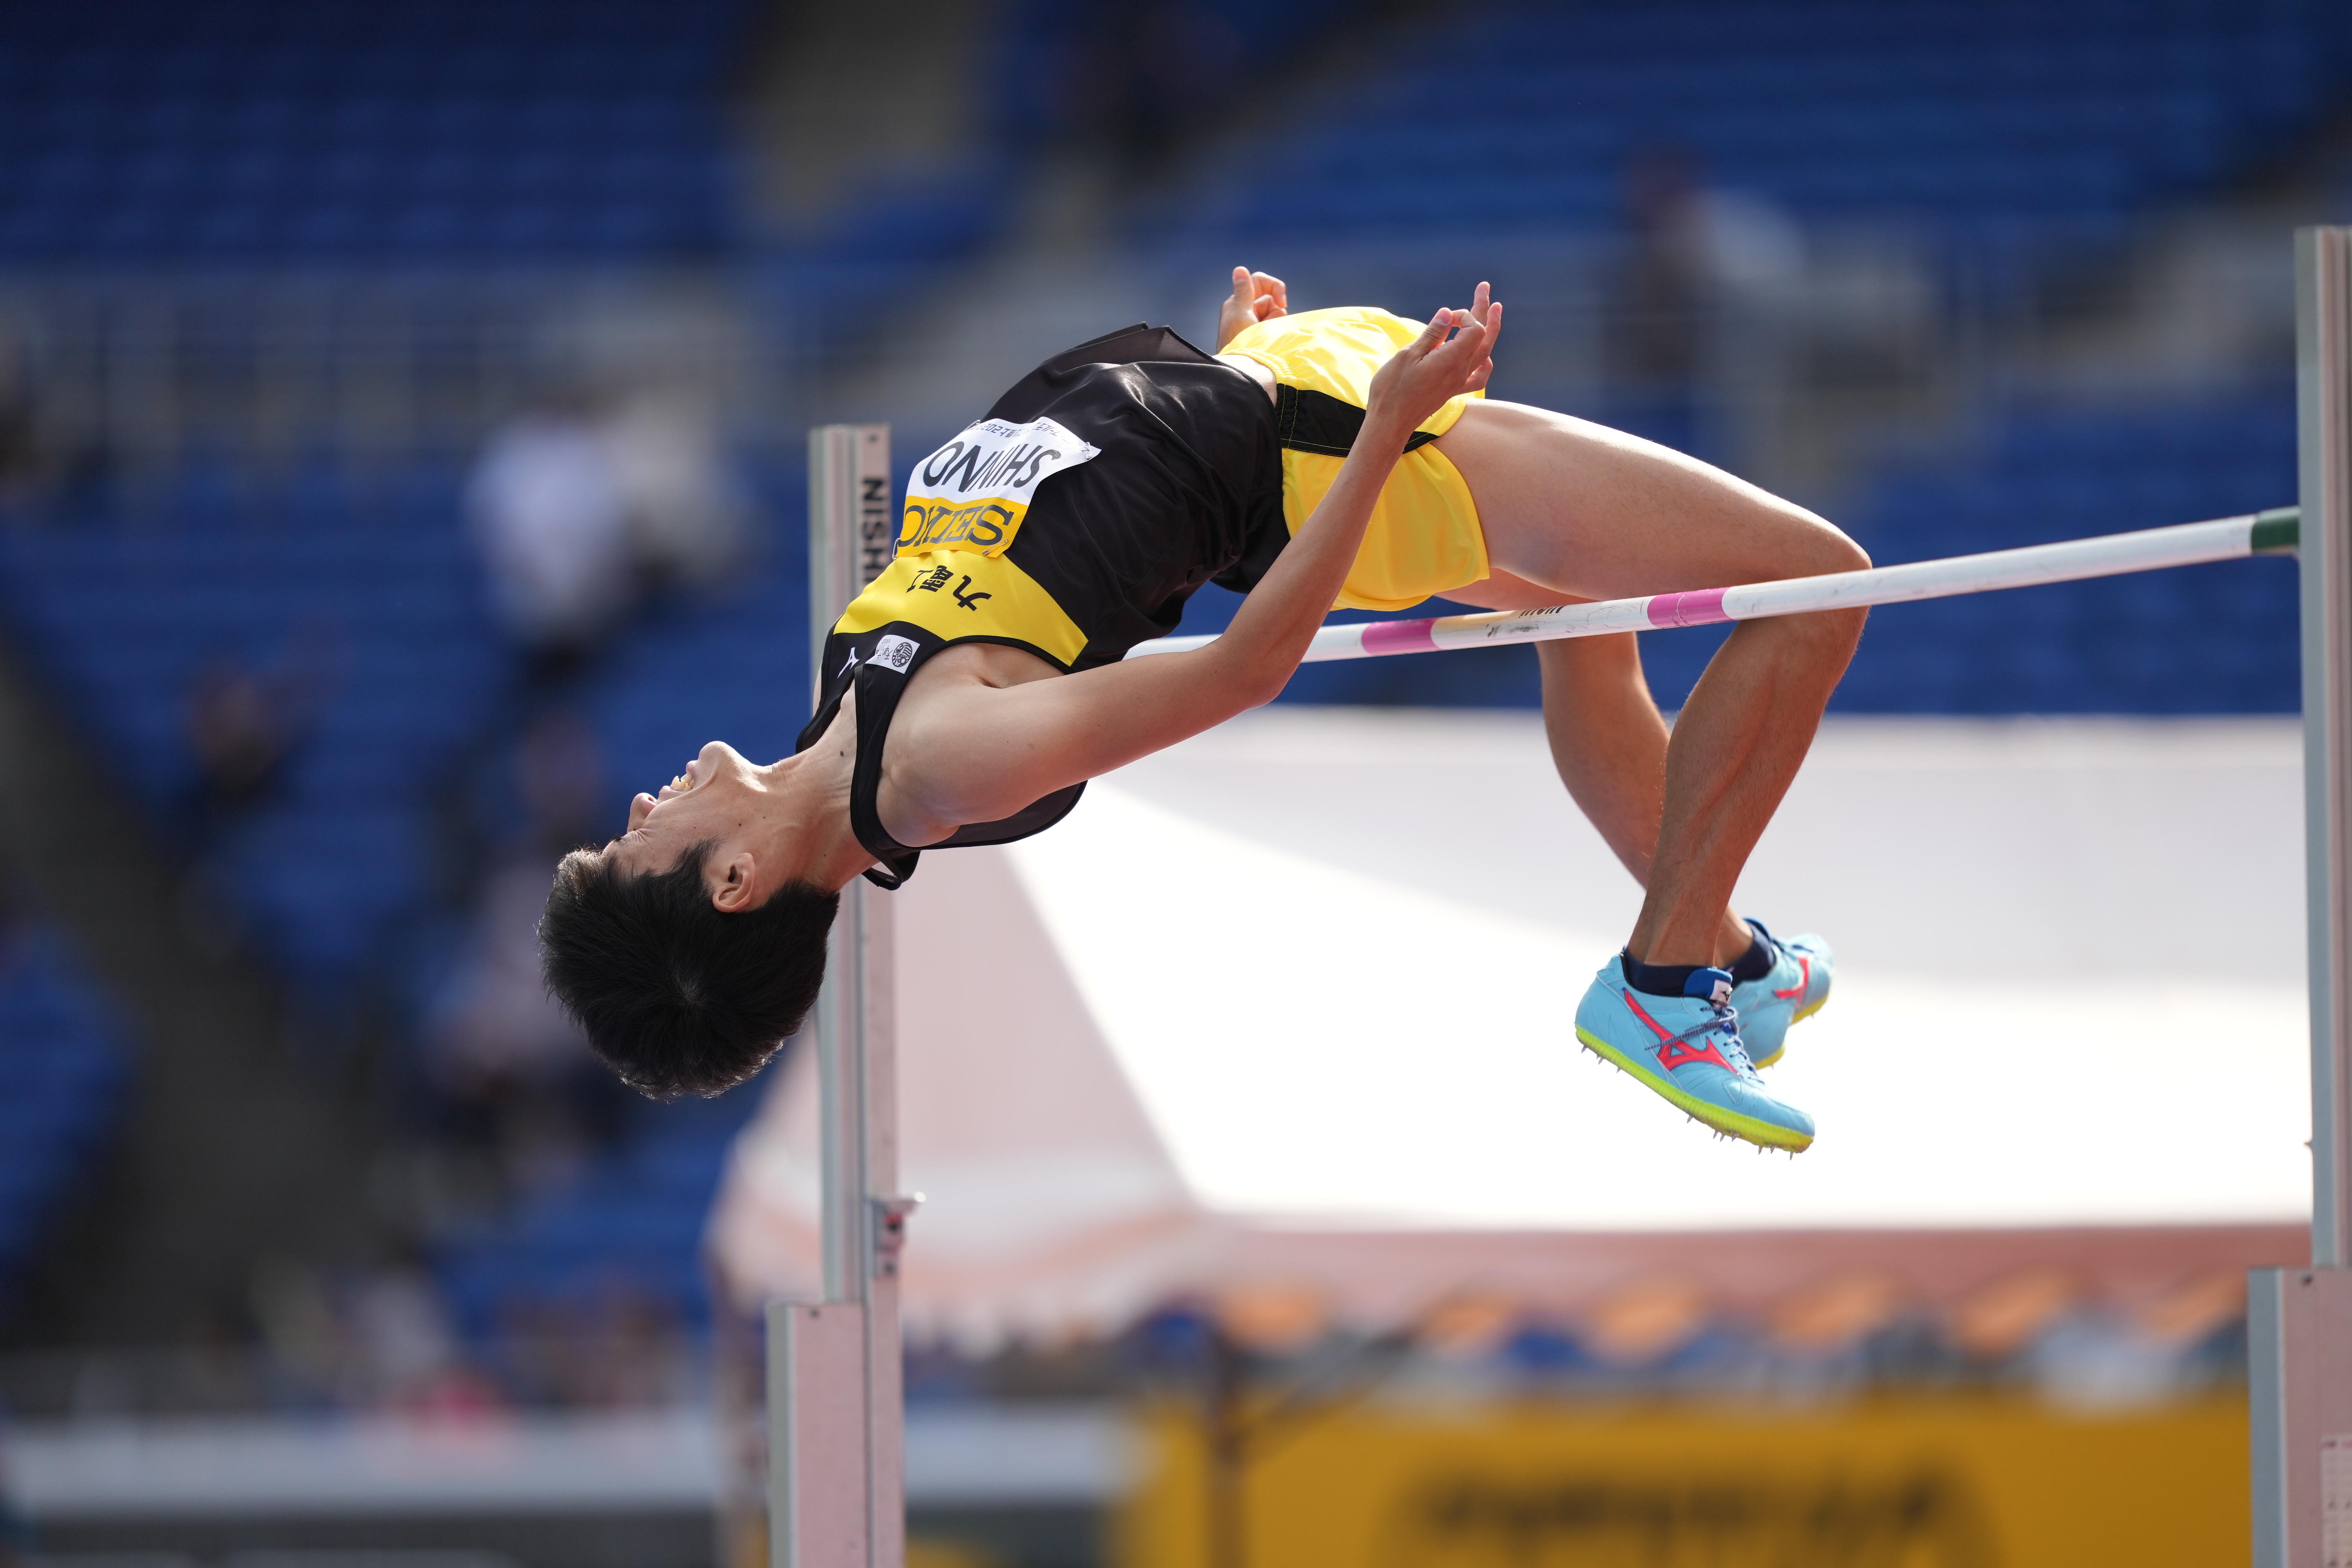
point(2271, 532)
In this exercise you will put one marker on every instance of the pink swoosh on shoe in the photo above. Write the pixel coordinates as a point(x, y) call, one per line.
point(1804, 978)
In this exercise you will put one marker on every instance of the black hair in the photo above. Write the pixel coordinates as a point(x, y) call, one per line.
point(677, 995)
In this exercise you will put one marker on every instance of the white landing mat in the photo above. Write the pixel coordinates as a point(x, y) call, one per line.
point(1337, 952)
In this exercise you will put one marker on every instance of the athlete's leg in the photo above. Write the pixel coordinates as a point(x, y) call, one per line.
point(1608, 739)
point(1610, 745)
point(1585, 511)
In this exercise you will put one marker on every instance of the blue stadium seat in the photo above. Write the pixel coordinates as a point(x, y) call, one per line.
point(2005, 125)
point(249, 133)
point(2217, 640)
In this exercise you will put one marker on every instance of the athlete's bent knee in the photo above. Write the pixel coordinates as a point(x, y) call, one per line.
point(1829, 549)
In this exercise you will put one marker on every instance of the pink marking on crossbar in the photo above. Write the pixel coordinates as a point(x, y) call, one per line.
point(1699, 607)
point(1399, 637)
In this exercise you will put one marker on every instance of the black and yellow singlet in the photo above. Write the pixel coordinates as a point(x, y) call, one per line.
point(1103, 489)
point(1073, 523)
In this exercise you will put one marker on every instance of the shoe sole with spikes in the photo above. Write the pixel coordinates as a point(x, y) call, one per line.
point(1731, 1124)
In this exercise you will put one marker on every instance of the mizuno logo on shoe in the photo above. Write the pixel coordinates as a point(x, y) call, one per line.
point(1682, 1053)
point(1674, 1051)
point(1804, 978)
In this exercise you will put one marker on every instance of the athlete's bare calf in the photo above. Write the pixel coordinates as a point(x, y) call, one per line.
point(1575, 511)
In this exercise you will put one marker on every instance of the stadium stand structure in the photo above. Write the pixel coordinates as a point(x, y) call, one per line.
point(625, 1241)
point(445, 135)
point(2001, 134)
point(442, 132)
point(63, 1071)
point(2204, 640)
point(1146, 75)
point(1983, 123)
point(246, 133)
point(1123, 85)
point(368, 592)
point(365, 600)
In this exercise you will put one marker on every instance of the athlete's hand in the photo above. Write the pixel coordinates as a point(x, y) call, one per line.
point(1422, 375)
point(1256, 297)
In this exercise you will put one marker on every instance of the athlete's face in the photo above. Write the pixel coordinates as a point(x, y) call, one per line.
point(714, 799)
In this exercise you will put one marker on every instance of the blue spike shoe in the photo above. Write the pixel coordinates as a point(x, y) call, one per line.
point(1687, 1050)
point(1797, 988)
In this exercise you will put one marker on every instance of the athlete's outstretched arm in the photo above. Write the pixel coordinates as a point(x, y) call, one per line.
point(995, 753)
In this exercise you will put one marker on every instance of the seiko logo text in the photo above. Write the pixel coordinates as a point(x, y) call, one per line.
point(971, 494)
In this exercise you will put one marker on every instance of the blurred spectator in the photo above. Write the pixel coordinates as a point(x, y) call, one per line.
point(407, 1350)
point(1710, 284)
point(20, 451)
point(551, 516)
point(1654, 317)
point(1136, 84)
point(602, 1346)
point(37, 462)
point(1144, 75)
point(24, 462)
point(580, 515)
point(241, 726)
point(379, 1340)
point(505, 1059)
point(685, 511)
point(504, 1028)
point(300, 1333)
point(559, 771)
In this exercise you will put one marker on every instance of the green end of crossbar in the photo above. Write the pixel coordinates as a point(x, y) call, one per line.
point(2276, 531)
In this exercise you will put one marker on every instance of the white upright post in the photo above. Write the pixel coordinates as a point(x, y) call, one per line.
point(835, 1413)
point(2299, 1320)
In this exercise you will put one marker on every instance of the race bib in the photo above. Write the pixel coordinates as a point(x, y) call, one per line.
point(973, 493)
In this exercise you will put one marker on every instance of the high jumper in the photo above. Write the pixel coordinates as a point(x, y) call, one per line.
point(1334, 456)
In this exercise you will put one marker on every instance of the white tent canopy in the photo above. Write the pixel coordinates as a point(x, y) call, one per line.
point(1287, 1008)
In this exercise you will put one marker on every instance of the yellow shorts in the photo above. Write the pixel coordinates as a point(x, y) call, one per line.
point(1425, 536)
